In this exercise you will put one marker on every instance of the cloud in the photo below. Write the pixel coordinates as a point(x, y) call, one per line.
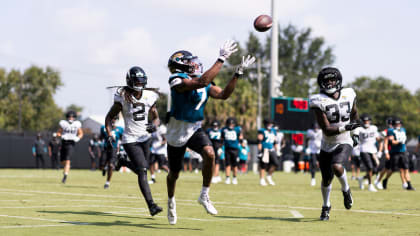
point(7, 47)
point(81, 19)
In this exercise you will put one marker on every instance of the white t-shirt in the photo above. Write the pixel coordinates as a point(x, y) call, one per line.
point(157, 147)
point(70, 130)
point(338, 114)
point(136, 115)
point(315, 139)
point(368, 138)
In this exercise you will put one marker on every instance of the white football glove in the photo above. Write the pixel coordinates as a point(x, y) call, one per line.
point(246, 62)
point(227, 49)
point(77, 139)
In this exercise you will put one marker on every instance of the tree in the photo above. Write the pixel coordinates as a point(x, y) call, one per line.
point(380, 98)
point(26, 99)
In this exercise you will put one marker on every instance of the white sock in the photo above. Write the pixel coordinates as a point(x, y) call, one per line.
point(343, 180)
point(107, 182)
point(326, 194)
point(172, 199)
point(205, 190)
point(153, 176)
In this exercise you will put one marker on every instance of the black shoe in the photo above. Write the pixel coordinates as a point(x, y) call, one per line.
point(325, 213)
point(64, 179)
point(410, 187)
point(155, 209)
point(384, 183)
point(106, 186)
point(348, 199)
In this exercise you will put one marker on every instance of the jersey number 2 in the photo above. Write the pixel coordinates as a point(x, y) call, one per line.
point(139, 114)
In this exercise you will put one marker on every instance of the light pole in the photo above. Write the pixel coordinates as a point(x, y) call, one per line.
point(259, 78)
point(274, 53)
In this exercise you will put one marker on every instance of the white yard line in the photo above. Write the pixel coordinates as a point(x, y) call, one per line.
point(43, 219)
point(32, 226)
point(296, 214)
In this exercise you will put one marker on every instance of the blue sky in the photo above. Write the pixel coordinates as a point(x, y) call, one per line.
point(93, 43)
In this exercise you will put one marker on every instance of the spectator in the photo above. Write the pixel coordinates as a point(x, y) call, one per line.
point(38, 150)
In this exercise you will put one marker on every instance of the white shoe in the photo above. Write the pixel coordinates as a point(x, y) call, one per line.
point(219, 179)
point(404, 185)
point(270, 180)
point(313, 182)
point(151, 182)
point(172, 211)
point(361, 186)
point(372, 188)
point(214, 180)
point(366, 182)
point(379, 185)
point(262, 182)
point(196, 171)
point(204, 200)
point(227, 181)
point(234, 180)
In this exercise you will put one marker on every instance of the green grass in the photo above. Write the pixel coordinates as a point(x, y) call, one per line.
point(30, 199)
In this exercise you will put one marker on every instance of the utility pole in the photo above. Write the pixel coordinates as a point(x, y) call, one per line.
point(20, 103)
point(274, 53)
point(259, 78)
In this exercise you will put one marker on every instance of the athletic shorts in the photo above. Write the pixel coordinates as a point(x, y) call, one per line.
point(273, 160)
point(196, 143)
point(109, 156)
point(231, 157)
point(399, 160)
point(368, 161)
point(338, 156)
point(159, 158)
point(67, 149)
point(388, 164)
point(356, 161)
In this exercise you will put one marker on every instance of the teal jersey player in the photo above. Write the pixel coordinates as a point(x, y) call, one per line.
point(117, 133)
point(231, 136)
point(401, 136)
point(269, 137)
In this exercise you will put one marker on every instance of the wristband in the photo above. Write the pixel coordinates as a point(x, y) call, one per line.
point(341, 129)
point(221, 59)
point(386, 151)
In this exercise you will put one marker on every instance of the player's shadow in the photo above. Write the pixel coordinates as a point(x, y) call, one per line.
point(289, 219)
point(151, 225)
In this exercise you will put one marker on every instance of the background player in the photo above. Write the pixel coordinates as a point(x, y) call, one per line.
point(158, 153)
point(314, 144)
point(109, 156)
point(368, 136)
point(70, 132)
point(387, 172)
point(54, 147)
point(190, 90)
point(135, 103)
point(39, 148)
point(215, 135)
point(244, 156)
point(335, 110)
point(231, 134)
point(267, 154)
point(95, 151)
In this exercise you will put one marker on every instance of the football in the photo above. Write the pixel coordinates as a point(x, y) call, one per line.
point(263, 23)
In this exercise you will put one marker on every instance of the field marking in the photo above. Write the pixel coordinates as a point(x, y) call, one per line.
point(223, 203)
point(181, 218)
point(32, 226)
point(43, 219)
point(296, 214)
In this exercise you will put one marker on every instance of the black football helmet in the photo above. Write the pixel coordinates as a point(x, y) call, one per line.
point(330, 80)
point(184, 61)
point(365, 117)
point(389, 120)
point(215, 123)
point(267, 121)
point(70, 114)
point(136, 78)
point(396, 121)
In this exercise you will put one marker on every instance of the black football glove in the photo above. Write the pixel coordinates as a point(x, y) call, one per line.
point(355, 140)
point(352, 126)
point(151, 128)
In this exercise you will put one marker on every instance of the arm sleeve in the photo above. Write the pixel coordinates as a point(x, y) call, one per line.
point(175, 81)
point(118, 96)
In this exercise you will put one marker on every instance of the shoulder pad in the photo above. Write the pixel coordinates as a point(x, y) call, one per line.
point(315, 101)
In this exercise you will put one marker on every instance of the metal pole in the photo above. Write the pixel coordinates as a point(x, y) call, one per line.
point(274, 52)
point(20, 104)
point(259, 75)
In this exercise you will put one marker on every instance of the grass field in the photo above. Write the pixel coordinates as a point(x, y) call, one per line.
point(34, 202)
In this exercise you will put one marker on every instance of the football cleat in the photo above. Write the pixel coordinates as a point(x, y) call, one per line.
point(262, 182)
point(270, 180)
point(154, 209)
point(234, 180)
point(384, 183)
point(372, 188)
point(325, 213)
point(227, 181)
point(64, 179)
point(361, 185)
point(378, 185)
point(172, 218)
point(348, 199)
point(313, 182)
point(204, 200)
point(106, 186)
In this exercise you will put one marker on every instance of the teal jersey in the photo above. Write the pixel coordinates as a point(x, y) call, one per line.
point(243, 152)
point(269, 137)
point(214, 134)
point(116, 133)
point(187, 106)
point(231, 137)
point(399, 135)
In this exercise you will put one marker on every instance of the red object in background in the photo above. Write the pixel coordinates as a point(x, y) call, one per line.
point(298, 138)
point(300, 104)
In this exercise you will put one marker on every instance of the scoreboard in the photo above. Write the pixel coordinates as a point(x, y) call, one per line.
point(292, 115)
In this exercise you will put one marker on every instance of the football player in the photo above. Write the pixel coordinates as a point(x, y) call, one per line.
point(215, 135)
point(368, 136)
point(190, 90)
point(158, 153)
point(136, 102)
point(231, 134)
point(397, 137)
point(336, 113)
point(387, 172)
point(95, 146)
point(70, 132)
point(54, 147)
point(314, 144)
point(109, 156)
point(267, 154)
